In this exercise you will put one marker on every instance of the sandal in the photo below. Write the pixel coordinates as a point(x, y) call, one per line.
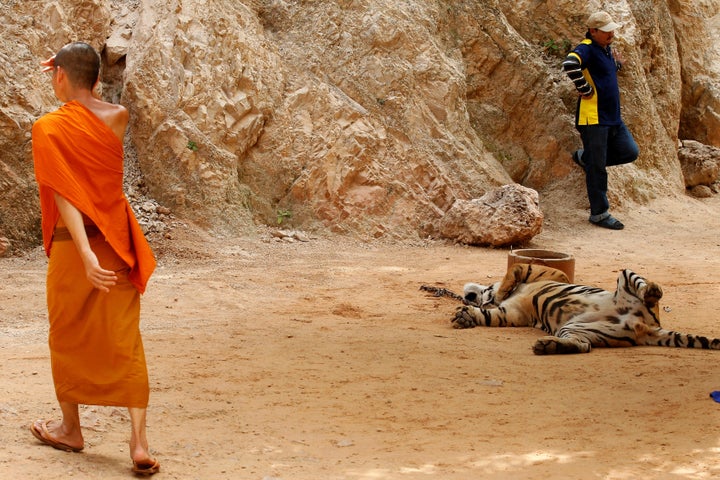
point(40, 431)
point(150, 467)
point(608, 222)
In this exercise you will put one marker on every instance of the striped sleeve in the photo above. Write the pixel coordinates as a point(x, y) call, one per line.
point(571, 67)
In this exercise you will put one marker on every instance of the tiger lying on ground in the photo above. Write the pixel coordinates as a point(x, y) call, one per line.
point(580, 317)
point(481, 296)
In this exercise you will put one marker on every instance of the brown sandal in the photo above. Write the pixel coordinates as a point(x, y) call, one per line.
point(43, 434)
point(147, 468)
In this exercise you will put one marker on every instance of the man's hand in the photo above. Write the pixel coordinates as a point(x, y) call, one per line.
point(587, 95)
point(619, 58)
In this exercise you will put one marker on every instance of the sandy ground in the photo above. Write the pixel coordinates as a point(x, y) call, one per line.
point(324, 360)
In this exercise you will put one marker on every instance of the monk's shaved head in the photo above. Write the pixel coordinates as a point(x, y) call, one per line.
point(81, 64)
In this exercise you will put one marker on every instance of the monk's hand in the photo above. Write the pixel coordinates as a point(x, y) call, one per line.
point(99, 277)
point(48, 64)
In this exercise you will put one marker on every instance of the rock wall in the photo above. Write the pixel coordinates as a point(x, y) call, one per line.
point(30, 32)
point(366, 117)
point(697, 28)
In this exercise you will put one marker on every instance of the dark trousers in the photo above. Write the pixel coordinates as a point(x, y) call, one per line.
point(604, 146)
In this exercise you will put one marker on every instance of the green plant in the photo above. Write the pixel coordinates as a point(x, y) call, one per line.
point(192, 146)
point(282, 215)
point(557, 48)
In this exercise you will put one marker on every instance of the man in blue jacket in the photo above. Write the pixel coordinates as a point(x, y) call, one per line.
point(606, 140)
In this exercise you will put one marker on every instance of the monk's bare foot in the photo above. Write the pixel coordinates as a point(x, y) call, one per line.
point(52, 433)
point(145, 465)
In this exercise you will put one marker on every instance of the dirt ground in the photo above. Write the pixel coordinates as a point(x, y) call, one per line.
point(323, 360)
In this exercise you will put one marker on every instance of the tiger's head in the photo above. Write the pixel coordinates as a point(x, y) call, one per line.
point(479, 295)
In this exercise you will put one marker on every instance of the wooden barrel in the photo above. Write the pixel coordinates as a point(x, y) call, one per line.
point(548, 258)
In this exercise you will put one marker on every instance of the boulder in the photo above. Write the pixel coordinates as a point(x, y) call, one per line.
point(700, 163)
point(509, 215)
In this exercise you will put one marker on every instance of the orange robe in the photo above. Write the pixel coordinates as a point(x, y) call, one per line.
point(96, 349)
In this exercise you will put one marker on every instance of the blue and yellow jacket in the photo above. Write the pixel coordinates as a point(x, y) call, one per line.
point(593, 68)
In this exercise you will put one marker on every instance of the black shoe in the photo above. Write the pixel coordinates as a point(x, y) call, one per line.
point(577, 158)
point(608, 222)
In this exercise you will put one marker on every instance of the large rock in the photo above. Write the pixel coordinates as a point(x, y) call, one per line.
point(698, 37)
point(309, 123)
point(700, 163)
point(29, 33)
point(509, 215)
point(201, 82)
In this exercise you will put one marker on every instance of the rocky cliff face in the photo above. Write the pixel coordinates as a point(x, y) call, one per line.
point(367, 117)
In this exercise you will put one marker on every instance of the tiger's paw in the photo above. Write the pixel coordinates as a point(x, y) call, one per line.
point(463, 318)
point(653, 294)
point(553, 345)
point(545, 346)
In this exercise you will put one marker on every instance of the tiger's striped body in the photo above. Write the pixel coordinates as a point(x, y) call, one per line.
point(580, 317)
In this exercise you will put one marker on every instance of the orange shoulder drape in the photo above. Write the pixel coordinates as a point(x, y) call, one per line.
point(79, 157)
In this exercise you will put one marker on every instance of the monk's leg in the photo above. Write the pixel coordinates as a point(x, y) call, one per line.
point(71, 422)
point(67, 431)
point(139, 450)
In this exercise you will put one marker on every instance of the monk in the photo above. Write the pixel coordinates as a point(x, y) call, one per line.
point(99, 260)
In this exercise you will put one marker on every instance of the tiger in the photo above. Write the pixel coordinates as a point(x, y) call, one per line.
point(580, 317)
point(479, 295)
point(482, 296)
